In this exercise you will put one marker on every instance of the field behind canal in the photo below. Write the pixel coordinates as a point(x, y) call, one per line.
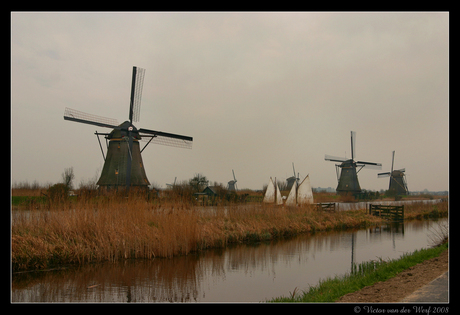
point(111, 228)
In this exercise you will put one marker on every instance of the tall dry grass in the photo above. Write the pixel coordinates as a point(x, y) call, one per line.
point(420, 210)
point(114, 227)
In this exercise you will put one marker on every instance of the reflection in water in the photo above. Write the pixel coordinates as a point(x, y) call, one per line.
point(237, 274)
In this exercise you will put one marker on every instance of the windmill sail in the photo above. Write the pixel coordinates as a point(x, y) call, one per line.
point(136, 94)
point(270, 193)
point(292, 197)
point(168, 139)
point(304, 192)
point(85, 118)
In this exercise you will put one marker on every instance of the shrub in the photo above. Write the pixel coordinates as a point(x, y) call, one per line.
point(58, 193)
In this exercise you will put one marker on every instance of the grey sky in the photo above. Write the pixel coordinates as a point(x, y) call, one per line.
point(256, 91)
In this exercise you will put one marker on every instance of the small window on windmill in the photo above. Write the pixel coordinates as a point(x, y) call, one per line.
point(116, 171)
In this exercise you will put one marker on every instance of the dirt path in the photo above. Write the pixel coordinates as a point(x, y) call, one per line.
point(406, 282)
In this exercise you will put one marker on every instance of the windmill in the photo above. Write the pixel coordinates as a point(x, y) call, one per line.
point(173, 184)
point(397, 181)
point(123, 164)
point(293, 179)
point(348, 181)
point(231, 185)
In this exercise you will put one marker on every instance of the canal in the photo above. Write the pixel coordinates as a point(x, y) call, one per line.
point(242, 273)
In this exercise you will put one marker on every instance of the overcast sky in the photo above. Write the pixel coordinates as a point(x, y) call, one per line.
point(256, 91)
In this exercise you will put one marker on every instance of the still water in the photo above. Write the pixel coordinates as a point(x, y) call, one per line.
point(241, 273)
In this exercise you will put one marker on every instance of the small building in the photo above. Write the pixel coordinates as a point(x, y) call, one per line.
point(210, 191)
point(208, 195)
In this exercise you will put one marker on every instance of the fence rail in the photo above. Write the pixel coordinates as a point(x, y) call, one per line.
point(326, 206)
point(394, 213)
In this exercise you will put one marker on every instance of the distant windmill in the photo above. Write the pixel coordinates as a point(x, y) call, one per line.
point(397, 181)
point(173, 184)
point(231, 185)
point(348, 181)
point(123, 164)
point(293, 179)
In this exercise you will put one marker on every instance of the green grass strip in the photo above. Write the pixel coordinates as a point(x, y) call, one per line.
point(364, 274)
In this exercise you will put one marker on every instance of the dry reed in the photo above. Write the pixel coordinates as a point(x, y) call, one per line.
point(111, 228)
point(420, 210)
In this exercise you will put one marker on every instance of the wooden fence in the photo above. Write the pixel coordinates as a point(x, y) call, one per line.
point(394, 213)
point(326, 206)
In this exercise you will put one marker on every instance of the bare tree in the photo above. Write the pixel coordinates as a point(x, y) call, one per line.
point(198, 182)
point(68, 177)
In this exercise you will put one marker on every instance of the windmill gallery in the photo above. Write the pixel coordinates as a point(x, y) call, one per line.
point(124, 168)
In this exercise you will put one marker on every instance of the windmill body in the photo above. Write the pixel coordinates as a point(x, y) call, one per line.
point(293, 179)
point(231, 185)
point(290, 182)
point(398, 184)
point(118, 153)
point(123, 165)
point(348, 183)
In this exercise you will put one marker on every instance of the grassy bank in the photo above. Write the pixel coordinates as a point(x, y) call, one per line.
point(110, 229)
point(365, 274)
point(420, 211)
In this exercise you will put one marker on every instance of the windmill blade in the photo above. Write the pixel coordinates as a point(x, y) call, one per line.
point(173, 184)
point(335, 158)
point(168, 139)
point(392, 161)
point(165, 134)
point(234, 176)
point(371, 165)
point(81, 117)
point(380, 175)
point(337, 168)
point(353, 145)
point(137, 84)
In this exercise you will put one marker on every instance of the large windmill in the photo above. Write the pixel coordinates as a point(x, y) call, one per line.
point(231, 185)
point(397, 181)
point(123, 164)
point(348, 180)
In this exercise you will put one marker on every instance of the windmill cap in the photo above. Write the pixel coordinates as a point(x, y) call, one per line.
point(123, 132)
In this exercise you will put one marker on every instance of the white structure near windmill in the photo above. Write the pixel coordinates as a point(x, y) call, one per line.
point(299, 195)
point(273, 194)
